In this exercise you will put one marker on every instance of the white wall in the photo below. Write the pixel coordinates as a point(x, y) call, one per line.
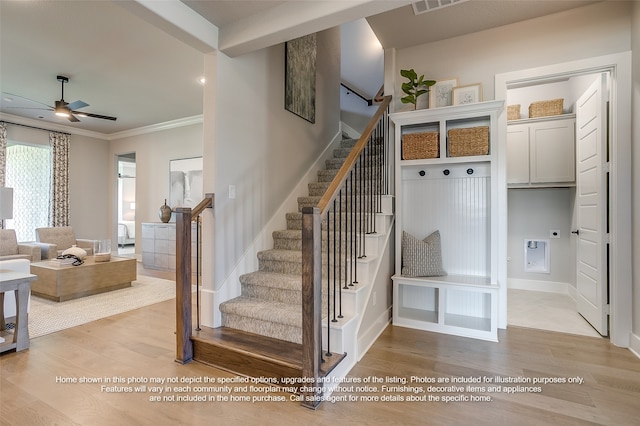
point(362, 69)
point(153, 151)
point(594, 30)
point(532, 214)
point(635, 43)
point(89, 173)
point(569, 90)
point(260, 147)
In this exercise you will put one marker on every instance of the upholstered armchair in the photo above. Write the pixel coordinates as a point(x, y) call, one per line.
point(11, 249)
point(53, 241)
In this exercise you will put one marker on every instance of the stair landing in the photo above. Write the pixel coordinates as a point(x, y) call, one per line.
point(253, 355)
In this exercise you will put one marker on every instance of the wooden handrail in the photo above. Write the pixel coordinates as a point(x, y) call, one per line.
point(206, 203)
point(332, 191)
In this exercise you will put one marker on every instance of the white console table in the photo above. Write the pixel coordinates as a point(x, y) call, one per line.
point(19, 282)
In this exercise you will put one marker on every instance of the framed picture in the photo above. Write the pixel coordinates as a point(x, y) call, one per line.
point(185, 188)
point(300, 77)
point(440, 94)
point(467, 94)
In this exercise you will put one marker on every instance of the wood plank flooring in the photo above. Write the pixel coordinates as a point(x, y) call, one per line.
point(139, 345)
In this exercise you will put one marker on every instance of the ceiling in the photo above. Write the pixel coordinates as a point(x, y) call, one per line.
point(124, 66)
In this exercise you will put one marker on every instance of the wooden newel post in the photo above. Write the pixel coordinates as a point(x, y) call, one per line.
point(311, 303)
point(184, 346)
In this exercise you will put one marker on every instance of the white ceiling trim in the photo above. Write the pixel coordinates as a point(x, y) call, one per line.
point(48, 126)
point(294, 19)
point(177, 19)
point(181, 122)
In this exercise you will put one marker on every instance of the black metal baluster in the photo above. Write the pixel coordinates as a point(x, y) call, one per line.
point(347, 240)
point(328, 283)
point(340, 258)
point(198, 273)
point(334, 262)
point(354, 224)
point(361, 204)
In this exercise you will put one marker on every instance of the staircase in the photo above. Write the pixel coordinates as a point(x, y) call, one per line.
point(304, 318)
point(270, 301)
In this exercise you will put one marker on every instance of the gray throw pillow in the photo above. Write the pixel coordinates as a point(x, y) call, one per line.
point(422, 258)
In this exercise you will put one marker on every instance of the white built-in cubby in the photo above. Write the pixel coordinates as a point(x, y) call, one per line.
point(456, 196)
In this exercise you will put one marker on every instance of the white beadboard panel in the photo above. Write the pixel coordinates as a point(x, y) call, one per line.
point(423, 298)
point(468, 303)
point(458, 205)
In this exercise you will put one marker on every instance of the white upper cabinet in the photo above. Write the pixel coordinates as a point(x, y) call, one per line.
point(541, 152)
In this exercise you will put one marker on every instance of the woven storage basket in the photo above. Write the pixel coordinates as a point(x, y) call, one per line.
point(545, 108)
point(468, 141)
point(513, 112)
point(420, 145)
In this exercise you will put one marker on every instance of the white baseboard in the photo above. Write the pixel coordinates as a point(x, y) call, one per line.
point(537, 285)
point(634, 344)
point(374, 331)
point(350, 131)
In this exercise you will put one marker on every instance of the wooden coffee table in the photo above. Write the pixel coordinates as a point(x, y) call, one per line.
point(60, 283)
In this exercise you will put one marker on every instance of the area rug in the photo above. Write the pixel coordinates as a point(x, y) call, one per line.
point(46, 316)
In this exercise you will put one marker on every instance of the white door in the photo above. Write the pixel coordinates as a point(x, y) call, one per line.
point(592, 170)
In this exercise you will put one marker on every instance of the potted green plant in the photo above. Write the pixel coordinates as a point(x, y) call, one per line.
point(415, 87)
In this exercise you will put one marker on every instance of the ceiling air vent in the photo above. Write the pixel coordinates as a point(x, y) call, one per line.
point(424, 6)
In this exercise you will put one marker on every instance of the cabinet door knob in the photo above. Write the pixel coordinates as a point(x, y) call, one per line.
point(446, 172)
point(577, 232)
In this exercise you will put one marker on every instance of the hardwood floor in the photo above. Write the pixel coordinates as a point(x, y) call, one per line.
point(140, 345)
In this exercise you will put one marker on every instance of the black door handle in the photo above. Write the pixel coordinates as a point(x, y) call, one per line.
point(577, 232)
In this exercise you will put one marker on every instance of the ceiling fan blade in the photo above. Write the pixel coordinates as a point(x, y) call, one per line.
point(40, 109)
point(77, 105)
point(88, 114)
point(26, 99)
point(73, 118)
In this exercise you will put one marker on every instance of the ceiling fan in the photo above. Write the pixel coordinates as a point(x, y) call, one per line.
point(70, 110)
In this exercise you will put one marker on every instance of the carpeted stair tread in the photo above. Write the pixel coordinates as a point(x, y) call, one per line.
point(280, 255)
point(264, 310)
point(318, 188)
point(327, 175)
point(273, 280)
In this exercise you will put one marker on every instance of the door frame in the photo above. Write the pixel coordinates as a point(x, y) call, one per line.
point(619, 67)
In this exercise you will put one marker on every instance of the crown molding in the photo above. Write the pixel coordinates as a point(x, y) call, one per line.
point(48, 126)
point(45, 125)
point(174, 124)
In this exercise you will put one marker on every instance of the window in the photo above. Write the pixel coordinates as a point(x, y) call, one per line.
point(29, 174)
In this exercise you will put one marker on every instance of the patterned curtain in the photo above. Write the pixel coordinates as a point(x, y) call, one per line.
point(3, 159)
point(59, 207)
point(3, 152)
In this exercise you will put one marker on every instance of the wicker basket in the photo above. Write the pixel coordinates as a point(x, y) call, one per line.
point(545, 108)
point(420, 145)
point(513, 112)
point(468, 141)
